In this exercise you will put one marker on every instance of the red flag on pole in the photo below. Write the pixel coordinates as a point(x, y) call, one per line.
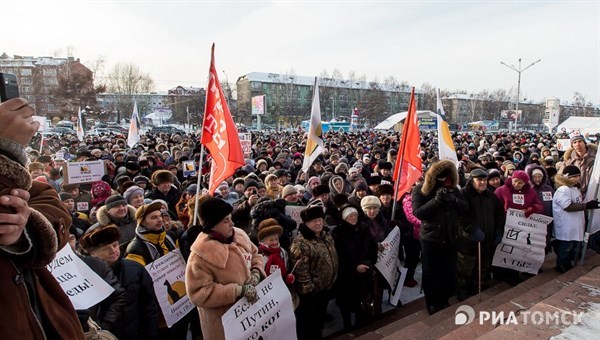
point(408, 163)
point(219, 134)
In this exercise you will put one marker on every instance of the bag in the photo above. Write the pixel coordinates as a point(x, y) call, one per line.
point(96, 333)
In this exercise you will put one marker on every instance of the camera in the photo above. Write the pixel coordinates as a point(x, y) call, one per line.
point(8, 87)
point(254, 192)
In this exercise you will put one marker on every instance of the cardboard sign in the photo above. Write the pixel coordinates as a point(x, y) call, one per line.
point(293, 211)
point(81, 284)
point(271, 317)
point(189, 168)
point(523, 242)
point(84, 172)
point(563, 144)
point(389, 265)
point(83, 206)
point(168, 278)
point(246, 142)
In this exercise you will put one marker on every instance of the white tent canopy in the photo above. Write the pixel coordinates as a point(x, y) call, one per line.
point(396, 118)
point(585, 125)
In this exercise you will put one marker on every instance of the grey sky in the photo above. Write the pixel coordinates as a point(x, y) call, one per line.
point(449, 44)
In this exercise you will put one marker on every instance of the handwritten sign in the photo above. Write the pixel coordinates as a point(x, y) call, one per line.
point(389, 265)
point(246, 142)
point(81, 284)
point(563, 144)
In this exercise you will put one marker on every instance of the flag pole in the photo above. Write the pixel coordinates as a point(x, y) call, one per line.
point(399, 174)
point(199, 173)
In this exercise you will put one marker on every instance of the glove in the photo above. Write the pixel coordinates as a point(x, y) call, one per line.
point(593, 204)
point(528, 212)
point(478, 235)
point(254, 278)
point(439, 195)
point(250, 293)
point(289, 279)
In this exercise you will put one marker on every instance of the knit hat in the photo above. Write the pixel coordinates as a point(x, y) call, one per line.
point(162, 176)
point(522, 175)
point(269, 227)
point(36, 166)
point(114, 201)
point(347, 211)
point(360, 186)
point(312, 213)
point(99, 237)
point(571, 171)
point(191, 190)
point(133, 191)
point(320, 190)
point(141, 179)
point(311, 180)
point(288, 190)
point(577, 137)
point(250, 184)
point(537, 172)
point(212, 211)
point(65, 196)
point(261, 161)
point(493, 173)
point(145, 210)
point(100, 191)
point(299, 187)
point(370, 201)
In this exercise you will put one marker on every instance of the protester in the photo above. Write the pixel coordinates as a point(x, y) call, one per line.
point(117, 211)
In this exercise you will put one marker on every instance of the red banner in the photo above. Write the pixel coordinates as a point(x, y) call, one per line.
point(219, 134)
point(408, 153)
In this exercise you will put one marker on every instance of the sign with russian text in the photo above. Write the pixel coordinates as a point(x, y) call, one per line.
point(271, 317)
point(81, 284)
point(168, 278)
point(293, 211)
point(563, 144)
point(389, 265)
point(84, 172)
point(523, 242)
point(246, 142)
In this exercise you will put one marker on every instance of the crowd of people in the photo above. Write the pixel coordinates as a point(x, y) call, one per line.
point(144, 207)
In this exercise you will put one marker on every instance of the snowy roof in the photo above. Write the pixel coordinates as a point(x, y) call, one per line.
point(276, 78)
point(584, 125)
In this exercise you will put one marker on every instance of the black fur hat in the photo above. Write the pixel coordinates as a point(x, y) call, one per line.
point(212, 211)
point(312, 213)
point(320, 190)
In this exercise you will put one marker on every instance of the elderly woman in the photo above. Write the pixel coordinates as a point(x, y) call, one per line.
point(223, 266)
point(134, 196)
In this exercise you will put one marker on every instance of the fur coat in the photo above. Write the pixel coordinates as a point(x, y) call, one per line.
point(585, 164)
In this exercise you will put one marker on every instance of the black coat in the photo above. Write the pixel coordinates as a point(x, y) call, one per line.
point(172, 197)
point(140, 313)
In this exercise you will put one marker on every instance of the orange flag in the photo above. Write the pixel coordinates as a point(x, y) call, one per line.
point(219, 134)
point(408, 163)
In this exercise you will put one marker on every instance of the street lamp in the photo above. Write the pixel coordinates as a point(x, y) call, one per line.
point(519, 71)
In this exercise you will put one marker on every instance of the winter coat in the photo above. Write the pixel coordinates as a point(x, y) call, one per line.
point(438, 219)
point(213, 274)
point(486, 214)
point(149, 245)
point(126, 225)
point(544, 191)
point(412, 219)
point(354, 246)
point(140, 313)
point(585, 164)
point(524, 199)
point(24, 272)
point(241, 214)
point(272, 209)
point(319, 266)
point(379, 227)
point(569, 221)
point(172, 197)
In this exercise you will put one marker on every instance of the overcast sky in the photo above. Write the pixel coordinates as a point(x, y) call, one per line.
point(449, 44)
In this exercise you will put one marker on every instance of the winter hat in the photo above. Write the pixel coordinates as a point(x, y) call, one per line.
point(212, 211)
point(99, 237)
point(133, 191)
point(191, 190)
point(522, 175)
point(360, 186)
point(571, 171)
point(537, 172)
point(270, 177)
point(347, 211)
point(261, 161)
point(132, 166)
point(299, 188)
point(312, 213)
point(65, 196)
point(36, 166)
point(100, 191)
point(162, 176)
point(577, 137)
point(385, 189)
point(320, 190)
point(370, 201)
point(269, 227)
point(311, 180)
point(114, 201)
point(250, 184)
point(342, 167)
point(493, 174)
point(478, 173)
point(288, 190)
point(145, 210)
point(237, 181)
point(141, 179)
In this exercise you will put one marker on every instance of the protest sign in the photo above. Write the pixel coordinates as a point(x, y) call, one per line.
point(84, 172)
point(563, 144)
point(168, 278)
point(81, 284)
point(271, 317)
point(593, 193)
point(523, 242)
point(246, 142)
point(389, 265)
point(399, 277)
point(189, 168)
point(293, 211)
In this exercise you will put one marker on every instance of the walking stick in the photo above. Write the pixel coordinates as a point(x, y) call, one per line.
point(479, 267)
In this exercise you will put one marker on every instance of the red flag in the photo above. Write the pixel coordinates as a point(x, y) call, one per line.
point(219, 134)
point(408, 154)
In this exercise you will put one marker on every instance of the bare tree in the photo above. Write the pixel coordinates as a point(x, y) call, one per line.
point(127, 78)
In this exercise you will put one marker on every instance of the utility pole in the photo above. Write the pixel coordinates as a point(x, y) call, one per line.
point(519, 71)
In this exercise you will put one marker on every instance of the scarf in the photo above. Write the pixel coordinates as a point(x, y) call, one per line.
point(274, 260)
point(214, 235)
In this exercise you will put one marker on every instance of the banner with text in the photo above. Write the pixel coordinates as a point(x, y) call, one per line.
point(168, 278)
point(271, 317)
point(389, 265)
point(81, 284)
point(84, 172)
point(246, 142)
point(523, 242)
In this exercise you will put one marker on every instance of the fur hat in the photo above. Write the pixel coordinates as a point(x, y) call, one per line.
point(268, 227)
point(385, 189)
point(270, 177)
point(99, 237)
point(571, 171)
point(320, 190)
point(114, 201)
point(145, 210)
point(250, 184)
point(312, 213)
point(212, 211)
point(370, 201)
point(261, 161)
point(132, 191)
point(36, 166)
point(162, 176)
point(133, 166)
point(288, 190)
point(385, 165)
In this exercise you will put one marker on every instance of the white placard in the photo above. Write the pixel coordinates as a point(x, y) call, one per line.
point(563, 144)
point(271, 317)
point(293, 211)
point(84, 172)
point(168, 278)
point(189, 168)
point(42, 121)
point(81, 284)
point(386, 260)
point(246, 143)
point(523, 242)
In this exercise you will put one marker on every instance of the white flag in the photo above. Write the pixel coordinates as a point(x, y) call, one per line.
point(445, 144)
point(133, 137)
point(314, 142)
point(80, 133)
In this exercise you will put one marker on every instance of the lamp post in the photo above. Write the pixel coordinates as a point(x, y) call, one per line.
point(519, 71)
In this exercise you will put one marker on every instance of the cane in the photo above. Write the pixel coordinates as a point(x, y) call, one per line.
point(479, 267)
